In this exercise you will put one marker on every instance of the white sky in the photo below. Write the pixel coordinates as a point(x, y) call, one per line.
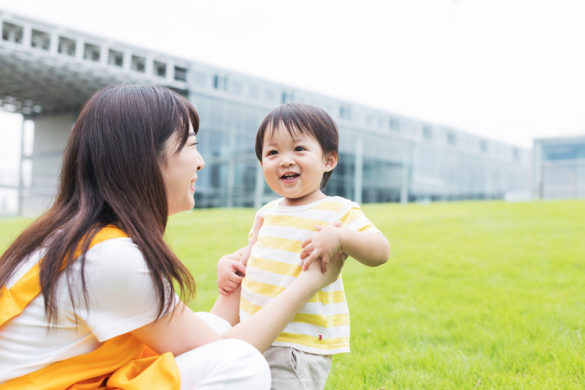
point(510, 70)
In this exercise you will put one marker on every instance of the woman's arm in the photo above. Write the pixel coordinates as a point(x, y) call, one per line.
point(182, 330)
point(369, 248)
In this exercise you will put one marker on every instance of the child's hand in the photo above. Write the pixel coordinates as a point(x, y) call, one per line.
point(230, 273)
point(231, 269)
point(324, 245)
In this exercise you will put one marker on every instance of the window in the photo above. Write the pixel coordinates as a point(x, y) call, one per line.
point(180, 73)
point(427, 132)
point(451, 138)
point(394, 124)
point(345, 112)
point(115, 58)
point(483, 146)
point(66, 46)
point(91, 52)
point(220, 82)
point(287, 97)
point(12, 33)
point(138, 64)
point(40, 40)
point(159, 69)
point(567, 151)
point(516, 154)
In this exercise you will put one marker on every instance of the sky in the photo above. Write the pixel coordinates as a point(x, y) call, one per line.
point(510, 70)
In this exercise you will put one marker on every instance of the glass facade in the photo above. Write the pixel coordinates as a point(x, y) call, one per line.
point(382, 157)
point(559, 168)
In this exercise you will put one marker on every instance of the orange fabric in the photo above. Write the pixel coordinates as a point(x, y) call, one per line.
point(28, 287)
point(120, 363)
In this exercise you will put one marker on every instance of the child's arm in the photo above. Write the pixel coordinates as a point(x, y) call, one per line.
point(369, 248)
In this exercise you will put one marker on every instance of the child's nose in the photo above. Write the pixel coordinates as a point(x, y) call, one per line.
point(287, 162)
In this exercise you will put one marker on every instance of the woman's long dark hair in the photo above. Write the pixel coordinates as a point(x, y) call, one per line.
point(111, 175)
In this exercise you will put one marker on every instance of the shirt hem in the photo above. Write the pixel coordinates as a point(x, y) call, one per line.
point(313, 350)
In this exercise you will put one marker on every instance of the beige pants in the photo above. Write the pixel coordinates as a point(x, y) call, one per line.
point(297, 370)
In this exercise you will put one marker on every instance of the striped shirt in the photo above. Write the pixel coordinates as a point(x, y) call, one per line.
point(322, 325)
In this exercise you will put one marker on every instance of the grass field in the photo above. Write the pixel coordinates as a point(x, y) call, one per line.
point(486, 295)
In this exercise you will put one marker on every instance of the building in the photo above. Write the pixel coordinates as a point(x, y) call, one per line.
point(558, 168)
point(47, 72)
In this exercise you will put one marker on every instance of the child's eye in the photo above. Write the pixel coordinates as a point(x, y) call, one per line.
point(299, 149)
point(272, 153)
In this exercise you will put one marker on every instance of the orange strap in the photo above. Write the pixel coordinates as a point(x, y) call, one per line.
point(121, 362)
point(13, 301)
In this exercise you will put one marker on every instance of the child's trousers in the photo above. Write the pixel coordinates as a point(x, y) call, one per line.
point(298, 370)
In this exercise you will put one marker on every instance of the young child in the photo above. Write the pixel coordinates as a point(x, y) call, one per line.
point(297, 147)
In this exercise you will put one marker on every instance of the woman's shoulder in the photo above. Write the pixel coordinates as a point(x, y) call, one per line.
point(117, 260)
point(120, 286)
point(115, 249)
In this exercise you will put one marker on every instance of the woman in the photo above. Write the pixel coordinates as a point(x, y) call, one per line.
point(88, 290)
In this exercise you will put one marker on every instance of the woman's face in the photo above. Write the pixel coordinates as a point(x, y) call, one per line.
point(180, 172)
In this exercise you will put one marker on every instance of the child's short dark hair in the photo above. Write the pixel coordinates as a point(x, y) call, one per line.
point(304, 119)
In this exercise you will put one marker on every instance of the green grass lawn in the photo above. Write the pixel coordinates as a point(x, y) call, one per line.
point(486, 295)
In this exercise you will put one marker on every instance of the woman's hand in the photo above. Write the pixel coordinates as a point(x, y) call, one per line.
point(318, 279)
point(323, 245)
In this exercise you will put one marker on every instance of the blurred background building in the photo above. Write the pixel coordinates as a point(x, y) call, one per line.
point(47, 73)
point(559, 168)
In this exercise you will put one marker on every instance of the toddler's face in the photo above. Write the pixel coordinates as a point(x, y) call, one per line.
point(294, 165)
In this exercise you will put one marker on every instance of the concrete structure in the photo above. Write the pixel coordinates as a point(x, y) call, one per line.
point(47, 72)
point(558, 168)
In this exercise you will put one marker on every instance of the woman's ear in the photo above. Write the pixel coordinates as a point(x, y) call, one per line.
point(331, 161)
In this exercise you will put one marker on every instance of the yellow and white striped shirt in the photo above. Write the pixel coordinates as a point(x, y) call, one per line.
point(322, 325)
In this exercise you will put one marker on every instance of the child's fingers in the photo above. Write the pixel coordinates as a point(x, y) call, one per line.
point(306, 242)
point(309, 260)
point(223, 292)
point(240, 269)
point(306, 251)
point(236, 279)
point(223, 284)
point(231, 286)
point(324, 264)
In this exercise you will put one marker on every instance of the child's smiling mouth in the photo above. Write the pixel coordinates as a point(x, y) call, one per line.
point(289, 177)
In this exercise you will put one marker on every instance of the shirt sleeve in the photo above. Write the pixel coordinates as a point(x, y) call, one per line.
point(261, 212)
point(122, 296)
point(351, 216)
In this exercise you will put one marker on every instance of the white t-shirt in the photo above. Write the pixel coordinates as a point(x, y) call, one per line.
point(121, 295)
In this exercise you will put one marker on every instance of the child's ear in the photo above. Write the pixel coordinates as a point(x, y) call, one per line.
point(331, 161)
